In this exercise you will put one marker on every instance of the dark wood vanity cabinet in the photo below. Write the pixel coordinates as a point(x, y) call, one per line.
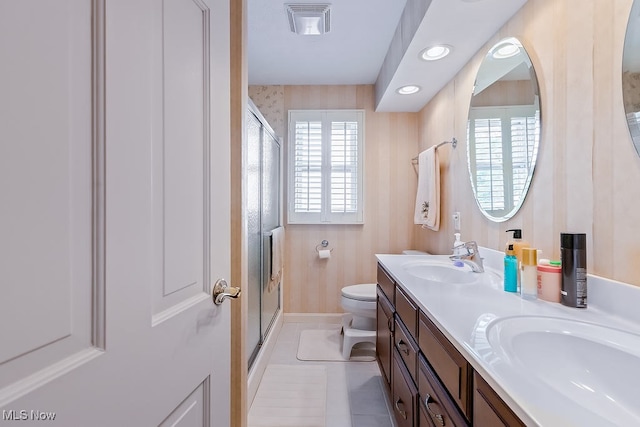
point(430, 383)
point(385, 323)
point(404, 393)
point(436, 408)
point(489, 410)
point(384, 335)
point(450, 366)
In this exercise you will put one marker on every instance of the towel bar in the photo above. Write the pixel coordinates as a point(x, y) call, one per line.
point(453, 142)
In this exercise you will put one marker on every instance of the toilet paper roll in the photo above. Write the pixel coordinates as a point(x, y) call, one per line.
point(324, 253)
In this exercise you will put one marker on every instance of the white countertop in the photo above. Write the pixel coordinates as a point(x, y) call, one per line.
point(463, 312)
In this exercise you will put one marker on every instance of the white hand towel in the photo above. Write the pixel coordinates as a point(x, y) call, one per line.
point(427, 212)
point(277, 258)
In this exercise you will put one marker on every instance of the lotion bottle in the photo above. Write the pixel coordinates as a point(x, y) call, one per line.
point(510, 270)
point(457, 249)
point(529, 274)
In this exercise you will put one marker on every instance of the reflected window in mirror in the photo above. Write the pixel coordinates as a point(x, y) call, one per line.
point(503, 131)
point(631, 74)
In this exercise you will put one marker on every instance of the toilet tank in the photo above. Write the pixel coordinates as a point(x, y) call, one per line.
point(414, 252)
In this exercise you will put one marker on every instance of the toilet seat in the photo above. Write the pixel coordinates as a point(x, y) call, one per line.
point(365, 292)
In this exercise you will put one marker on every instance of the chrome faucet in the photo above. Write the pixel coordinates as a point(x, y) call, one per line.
point(471, 256)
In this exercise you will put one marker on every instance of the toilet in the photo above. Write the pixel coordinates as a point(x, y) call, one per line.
point(359, 324)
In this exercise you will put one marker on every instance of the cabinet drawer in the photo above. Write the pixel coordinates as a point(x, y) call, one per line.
point(384, 335)
point(448, 364)
point(404, 394)
point(408, 350)
point(386, 283)
point(435, 402)
point(489, 410)
point(407, 312)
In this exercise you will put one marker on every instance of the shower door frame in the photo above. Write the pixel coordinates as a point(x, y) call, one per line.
point(265, 325)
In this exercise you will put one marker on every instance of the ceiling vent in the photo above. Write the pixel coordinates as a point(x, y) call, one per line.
point(309, 19)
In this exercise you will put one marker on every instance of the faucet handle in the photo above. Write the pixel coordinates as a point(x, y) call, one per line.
point(472, 245)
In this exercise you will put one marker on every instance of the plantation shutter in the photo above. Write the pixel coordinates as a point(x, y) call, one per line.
point(524, 134)
point(325, 166)
point(344, 167)
point(489, 163)
point(307, 167)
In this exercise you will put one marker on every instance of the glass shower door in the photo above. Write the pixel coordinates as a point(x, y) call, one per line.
point(263, 215)
point(270, 221)
point(254, 232)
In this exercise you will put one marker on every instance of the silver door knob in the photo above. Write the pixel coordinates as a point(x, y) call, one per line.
point(221, 291)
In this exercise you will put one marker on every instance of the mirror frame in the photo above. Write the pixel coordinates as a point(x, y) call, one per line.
point(630, 75)
point(492, 69)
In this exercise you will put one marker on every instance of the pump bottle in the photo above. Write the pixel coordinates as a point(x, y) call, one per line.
point(518, 245)
point(510, 270)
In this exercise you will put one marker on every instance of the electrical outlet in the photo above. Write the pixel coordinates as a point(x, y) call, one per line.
point(456, 221)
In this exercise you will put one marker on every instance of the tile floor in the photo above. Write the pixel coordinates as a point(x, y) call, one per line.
point(355, 392)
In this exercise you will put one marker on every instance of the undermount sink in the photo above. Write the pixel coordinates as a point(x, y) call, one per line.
point(441, 272)
point(595, 366)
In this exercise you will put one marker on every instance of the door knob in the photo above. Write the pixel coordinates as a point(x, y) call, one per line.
point(221, 291)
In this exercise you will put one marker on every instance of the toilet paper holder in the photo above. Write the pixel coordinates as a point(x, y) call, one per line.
point(323, 244)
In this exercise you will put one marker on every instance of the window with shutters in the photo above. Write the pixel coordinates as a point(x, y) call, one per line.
point(502, 151)
point(326, 158)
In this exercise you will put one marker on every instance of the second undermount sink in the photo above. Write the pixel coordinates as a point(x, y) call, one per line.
point(441, 272)
point(595, 366)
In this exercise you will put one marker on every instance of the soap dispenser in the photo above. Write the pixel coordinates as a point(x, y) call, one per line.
point(457, 245)
point(510, 269)
point(518, 244)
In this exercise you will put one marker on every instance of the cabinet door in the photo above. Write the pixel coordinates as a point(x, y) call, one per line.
point(434, 401)
point(489, 410)
point(384, 336)
point(403, 394)
point(449, 365)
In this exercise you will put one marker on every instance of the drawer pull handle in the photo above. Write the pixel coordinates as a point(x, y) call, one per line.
point(402, 412)
point(438, 417)
point(403, 347)
point(389, 325)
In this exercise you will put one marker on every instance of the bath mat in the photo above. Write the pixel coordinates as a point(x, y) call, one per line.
point(290, 396)
point(326, 345)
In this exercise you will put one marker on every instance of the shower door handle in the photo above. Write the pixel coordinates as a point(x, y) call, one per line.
point(221, 291)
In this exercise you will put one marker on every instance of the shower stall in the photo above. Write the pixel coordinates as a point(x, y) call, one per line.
point(264, 215)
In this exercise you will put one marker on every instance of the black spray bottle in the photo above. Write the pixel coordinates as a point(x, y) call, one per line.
point(573, 254)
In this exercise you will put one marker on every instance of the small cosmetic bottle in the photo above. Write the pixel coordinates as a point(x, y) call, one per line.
point(529, 274)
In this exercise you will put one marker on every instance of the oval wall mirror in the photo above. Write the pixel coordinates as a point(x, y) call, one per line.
point(631, 74)
point(503, 130)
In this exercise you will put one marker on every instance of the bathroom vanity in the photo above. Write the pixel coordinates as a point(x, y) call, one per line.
point(450, 343)
point(429, 381)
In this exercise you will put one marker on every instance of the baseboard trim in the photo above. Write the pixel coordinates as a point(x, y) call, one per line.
point(313, 317)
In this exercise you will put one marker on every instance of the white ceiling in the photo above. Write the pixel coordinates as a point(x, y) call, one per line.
point(361, 33)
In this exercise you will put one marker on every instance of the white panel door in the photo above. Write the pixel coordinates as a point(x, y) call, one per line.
point(114, 212)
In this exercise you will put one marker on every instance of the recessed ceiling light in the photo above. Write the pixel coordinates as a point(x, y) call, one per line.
point(408, 89)
point(436, 52)
point(309, 19)
point(506, 50)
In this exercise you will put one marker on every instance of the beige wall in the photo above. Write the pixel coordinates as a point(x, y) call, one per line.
point(587, 175)
point(313, 285)
point(586, 178)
